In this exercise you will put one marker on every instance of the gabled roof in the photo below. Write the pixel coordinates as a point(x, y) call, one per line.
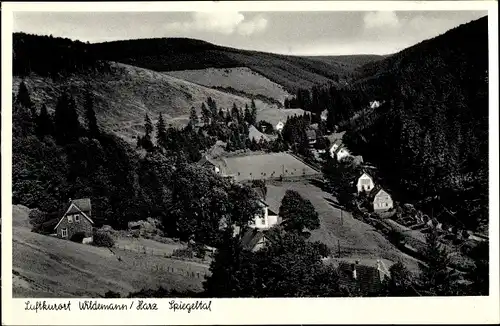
point(335, 137)
point(74, 208)
point(358, 159)
point(251, 237)
point(367, 277)
point(365, 175)
point(311, 134)
point(376, 190)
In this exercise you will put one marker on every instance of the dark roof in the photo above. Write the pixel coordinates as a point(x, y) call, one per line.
point(251, 237)
point(374, 191)
point(337, 136)
point(311, 134)
point(83, 205)
point(260, 193)
point(367, 280)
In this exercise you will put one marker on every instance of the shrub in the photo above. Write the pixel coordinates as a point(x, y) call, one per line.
point(199, 250)
point(78, 237)
point(183, 253)
point(103, 239)
point(112, 294)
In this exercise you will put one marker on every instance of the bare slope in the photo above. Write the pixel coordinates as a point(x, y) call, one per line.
point(125, 95)
point(241, 79)
point(44, 266)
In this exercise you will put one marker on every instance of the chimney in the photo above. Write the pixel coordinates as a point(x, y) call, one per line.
point(70, 200)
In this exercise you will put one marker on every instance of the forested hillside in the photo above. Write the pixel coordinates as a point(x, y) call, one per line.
point(171, 54)
point(429, 138)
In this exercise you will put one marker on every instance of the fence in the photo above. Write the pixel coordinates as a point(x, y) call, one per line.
point(163, 265)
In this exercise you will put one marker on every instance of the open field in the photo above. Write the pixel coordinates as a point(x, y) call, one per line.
point(241, 79)
point(264, 166)
point(357, 240)
point(274, 115)
point(127, 93)
point(44, 266)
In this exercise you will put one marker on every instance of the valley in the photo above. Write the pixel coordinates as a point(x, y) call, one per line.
point(157, 135)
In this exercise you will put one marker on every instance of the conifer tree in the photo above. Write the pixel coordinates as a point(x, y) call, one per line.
point(23, 98)
point(67, 126)
point(193, 117)
point(44, 124)
point(161, 132)
point(436, 278)
point(205, 114)
point(253, 113)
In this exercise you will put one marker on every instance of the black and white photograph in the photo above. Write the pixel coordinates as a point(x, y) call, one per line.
point(250, 154)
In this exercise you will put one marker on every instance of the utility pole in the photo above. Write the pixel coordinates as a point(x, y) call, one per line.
point(341, 218)
point(338, 246)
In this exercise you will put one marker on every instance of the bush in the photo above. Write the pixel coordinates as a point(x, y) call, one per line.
point(183, 253)
point(78, 237)
point(112, 294)
point(103, 239)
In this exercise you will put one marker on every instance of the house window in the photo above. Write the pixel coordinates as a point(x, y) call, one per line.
point(64, 233)
point(70, 219)
point(77, 218)
point(365, 182)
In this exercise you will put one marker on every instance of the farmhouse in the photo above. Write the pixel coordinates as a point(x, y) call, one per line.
point(268, 217)
point(374, 104)
point(365, 183)
point(382, 201)
point(253, 240)
point(210, 163)
point(76, 220)
point(364, 276)
point(311, 136)
point(341, 153)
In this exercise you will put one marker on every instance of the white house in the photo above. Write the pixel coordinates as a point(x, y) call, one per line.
point(374, 104)
point(266, 219)
point(342, 153)
point(335, 145)
point(279, 126)
point(365, 183)
point(324, 115)
point(382, 201)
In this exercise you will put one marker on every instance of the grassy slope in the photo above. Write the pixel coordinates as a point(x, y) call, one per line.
point(242, 79)
point(357, 239)
point(173, 54)
point(124, 96)
point(49, 267)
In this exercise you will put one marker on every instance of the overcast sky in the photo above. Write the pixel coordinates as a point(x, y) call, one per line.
point(299, 33)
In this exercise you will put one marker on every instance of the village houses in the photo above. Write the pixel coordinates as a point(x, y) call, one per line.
point(76, 220)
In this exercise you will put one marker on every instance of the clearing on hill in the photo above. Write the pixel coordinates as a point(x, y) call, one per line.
point(241, 79)
point(357, 240)
point(124, 96)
